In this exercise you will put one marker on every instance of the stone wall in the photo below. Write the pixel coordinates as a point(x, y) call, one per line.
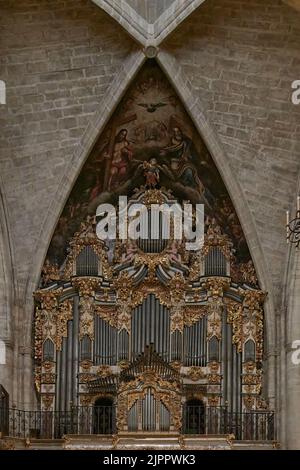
point(58, 62)
point(241, 58)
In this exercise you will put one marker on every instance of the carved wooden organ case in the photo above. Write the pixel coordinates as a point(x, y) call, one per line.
point(149, 319)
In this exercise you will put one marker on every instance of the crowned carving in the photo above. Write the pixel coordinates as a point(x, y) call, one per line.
point(153, 196)
point(86, 236)
point(214, 237)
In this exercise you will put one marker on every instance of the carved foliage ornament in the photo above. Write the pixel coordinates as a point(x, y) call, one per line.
point(107, 313)
point(235, 318)
point(86, 310)
point(64, 314)
point(195, 373)
point(216, 286)
point(193, 313)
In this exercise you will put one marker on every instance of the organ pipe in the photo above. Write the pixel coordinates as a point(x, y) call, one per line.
point(195, 344)
point(150, 324)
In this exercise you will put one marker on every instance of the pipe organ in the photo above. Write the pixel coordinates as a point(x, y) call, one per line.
point(149, 329)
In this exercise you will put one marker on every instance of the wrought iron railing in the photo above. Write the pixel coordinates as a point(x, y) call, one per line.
point(252, 425)
point(54, 424)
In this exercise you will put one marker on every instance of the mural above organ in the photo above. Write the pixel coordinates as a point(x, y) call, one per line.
point(145, 325)
point(150, 133)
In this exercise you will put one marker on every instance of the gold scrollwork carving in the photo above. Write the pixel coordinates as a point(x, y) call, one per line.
point(216, 286)
point(235, 318)
point(195, 373)
point(249, 402)
point(193, 313)
point(213, 401)
point(48, 378)
point(104, 371)
point(86, 365)
point(214, 237)
point(47, 401)
point(86, 309)
point(107, 313)
point(64, 314)
point(164, 391)
point(214, 379)
point(86, 285)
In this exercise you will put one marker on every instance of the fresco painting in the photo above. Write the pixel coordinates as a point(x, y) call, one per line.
point(150, 140)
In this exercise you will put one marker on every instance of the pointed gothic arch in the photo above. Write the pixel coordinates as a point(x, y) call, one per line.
point(216, 152)
point(150, 150)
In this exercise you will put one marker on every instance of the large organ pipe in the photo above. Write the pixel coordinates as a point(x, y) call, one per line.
point(233, 387)
point(106, 342)
point(224, 357)
point(231, 369)
point(239, 381)
point(160, 327)
point(58, 378)
point(75, 350)
point(196, 346)
point(201, 327)
point(229, 359)
point(150, 323)
point(63, 375)
point(69, 365)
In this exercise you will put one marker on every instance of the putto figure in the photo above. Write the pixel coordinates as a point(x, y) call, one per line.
point(151, 173)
